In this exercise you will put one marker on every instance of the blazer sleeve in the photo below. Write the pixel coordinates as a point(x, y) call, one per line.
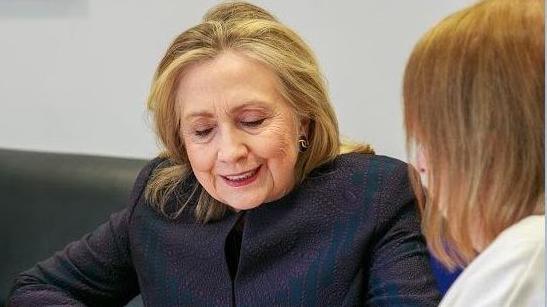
point(400, 274)
point(96, 270)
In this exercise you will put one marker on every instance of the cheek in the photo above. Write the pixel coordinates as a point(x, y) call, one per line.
point(199, 157)
point(279, 147)
point(424, 180)
point(421, 162)
point(278, 141)
point(202, 166)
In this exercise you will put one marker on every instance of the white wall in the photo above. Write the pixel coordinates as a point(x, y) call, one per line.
point(74, 74)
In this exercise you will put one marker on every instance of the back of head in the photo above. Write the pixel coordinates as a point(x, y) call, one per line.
point(474, 102)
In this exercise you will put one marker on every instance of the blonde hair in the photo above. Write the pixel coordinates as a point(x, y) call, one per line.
point(245, 28)
point(474, 100)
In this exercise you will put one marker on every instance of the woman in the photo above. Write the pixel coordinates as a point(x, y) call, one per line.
point(252, 202)
point(474, 114)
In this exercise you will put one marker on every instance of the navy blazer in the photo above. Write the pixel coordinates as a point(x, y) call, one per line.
point(348, 235)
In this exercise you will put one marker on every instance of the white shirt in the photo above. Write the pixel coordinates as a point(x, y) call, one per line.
point(509, 272)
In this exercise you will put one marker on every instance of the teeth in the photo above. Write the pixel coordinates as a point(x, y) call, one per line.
point(241, 177)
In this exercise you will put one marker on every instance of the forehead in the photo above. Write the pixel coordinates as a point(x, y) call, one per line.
point(229, 81)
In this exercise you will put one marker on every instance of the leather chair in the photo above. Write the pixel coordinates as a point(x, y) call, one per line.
point(49, 199)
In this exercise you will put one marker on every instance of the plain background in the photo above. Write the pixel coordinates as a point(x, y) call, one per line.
point(74, 74)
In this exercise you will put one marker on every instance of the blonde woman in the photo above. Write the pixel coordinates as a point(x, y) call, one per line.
point(252, 202)
point(474, 115)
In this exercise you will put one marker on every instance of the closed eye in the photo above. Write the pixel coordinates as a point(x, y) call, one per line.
point(253, 124)
point(203, 133)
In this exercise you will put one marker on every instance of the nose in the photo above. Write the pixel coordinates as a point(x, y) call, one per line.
point(232, 147)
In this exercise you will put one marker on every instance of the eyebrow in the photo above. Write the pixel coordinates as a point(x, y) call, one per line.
point(251, 103)
point(198, 114)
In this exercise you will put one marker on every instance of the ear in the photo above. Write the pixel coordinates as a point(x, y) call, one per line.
point(304, 125)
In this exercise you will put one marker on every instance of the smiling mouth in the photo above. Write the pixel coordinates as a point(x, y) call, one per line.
point(241, 179)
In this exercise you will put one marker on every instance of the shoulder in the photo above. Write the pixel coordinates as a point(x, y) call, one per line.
point(142, 180)
point(512, 266)
point(145, 173)
point(383, 185)
point(148, 169)
point(377, 184)
point(383, 176)
point(368, 162)
point(359, 166)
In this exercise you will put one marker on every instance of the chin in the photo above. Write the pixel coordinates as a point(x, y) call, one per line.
point(243, 205)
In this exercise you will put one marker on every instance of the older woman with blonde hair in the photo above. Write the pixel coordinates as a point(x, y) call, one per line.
point(474, 114)
point(252, 203)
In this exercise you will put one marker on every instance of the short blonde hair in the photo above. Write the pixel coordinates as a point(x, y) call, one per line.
point(246, 28)
point(474, 100)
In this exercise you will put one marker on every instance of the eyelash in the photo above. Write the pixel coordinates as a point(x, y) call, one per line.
point(253, 124)
point(249, 124)
point(203, 133)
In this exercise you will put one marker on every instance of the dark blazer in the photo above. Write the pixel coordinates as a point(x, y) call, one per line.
point(348, 235)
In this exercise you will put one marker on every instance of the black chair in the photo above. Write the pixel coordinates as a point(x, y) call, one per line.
point(49, 199)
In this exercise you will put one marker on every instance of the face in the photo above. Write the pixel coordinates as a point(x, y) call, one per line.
point(421, 166)
point(239, 132)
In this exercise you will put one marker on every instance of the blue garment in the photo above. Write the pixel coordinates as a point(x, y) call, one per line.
point(445, 278)
point(348, 235)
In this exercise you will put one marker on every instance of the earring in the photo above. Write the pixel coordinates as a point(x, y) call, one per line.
point(303, 143)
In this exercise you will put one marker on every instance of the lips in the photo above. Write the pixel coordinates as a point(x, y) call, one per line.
point(241, 179)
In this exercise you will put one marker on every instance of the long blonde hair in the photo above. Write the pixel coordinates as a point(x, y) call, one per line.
point(474, 100)
point(245, 28)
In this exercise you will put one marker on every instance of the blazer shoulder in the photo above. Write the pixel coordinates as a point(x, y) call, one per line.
point(383, 179)
point(143, 177)
point(370, 164)
point(149, 168)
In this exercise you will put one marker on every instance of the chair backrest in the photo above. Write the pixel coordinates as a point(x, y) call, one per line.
point(49, 199)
